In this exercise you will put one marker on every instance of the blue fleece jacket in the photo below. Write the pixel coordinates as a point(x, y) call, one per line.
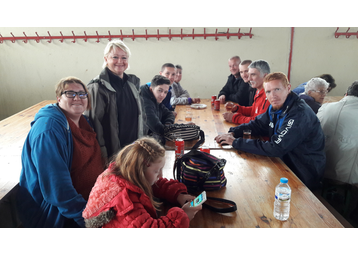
point(46, 196)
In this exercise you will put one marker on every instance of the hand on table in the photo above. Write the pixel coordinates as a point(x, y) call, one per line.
point(228, 116)
point(222, 99)
point(225, 139)
point(235, 108)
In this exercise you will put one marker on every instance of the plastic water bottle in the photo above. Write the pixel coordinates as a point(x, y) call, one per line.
point(281, 209)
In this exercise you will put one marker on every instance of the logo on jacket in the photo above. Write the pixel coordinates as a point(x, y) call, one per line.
point(285, 131)
point(271, 125)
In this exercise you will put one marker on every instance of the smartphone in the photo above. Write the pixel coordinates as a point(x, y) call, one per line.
point(199, 200)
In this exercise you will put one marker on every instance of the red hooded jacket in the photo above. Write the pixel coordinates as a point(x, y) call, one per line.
point(247, 113)
point(117, 203)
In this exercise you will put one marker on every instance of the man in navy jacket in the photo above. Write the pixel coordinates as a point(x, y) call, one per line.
point(294, 131)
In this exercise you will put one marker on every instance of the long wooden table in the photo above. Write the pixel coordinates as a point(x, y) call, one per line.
point(208, 119)
point(251, 178)
point(251, 184)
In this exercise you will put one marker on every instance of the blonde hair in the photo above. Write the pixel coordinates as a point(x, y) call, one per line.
point(61, 85)
point(132, 161)
point(115, 43)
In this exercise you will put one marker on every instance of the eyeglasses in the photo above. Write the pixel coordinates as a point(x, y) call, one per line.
point(323, 92)
point(72, 94)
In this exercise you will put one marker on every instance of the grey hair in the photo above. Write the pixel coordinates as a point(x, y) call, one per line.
point(353, 89)
point(236, 58)
point(262, 66)
point(115, 43)
point(315, 83)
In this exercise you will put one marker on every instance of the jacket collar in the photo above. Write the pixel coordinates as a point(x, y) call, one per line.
point(287, 105)
point(145, 91)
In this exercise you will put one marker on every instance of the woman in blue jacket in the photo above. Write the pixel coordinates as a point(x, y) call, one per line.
point(61, 160)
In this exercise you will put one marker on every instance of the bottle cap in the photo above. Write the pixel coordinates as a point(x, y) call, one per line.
point(284, 180)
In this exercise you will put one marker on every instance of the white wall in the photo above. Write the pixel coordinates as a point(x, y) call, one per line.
point(29, 71)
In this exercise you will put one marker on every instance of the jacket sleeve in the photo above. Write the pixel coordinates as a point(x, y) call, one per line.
point(96, 115)
point(50, 157)
point(243, 115)
point(179, 95)
point(242, 94)
point(140, 218)
point(259, 126)
point(132, 213)
point(167, 115)
point(294, 129)
point(246, 114)
point(154, 122)
point(168, 189)
point(225, 90)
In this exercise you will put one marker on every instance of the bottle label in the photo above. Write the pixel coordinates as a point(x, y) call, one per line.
point(282, 196)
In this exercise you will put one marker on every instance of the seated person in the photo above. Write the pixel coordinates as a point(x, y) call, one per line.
point(339, 123)
point(61, 160)
point(168, 71)
point(179, 95)
point(157, 114)
point(244, 73)
point(327, 77)
point(294, 131)
point(235, 89)
point(315, 92)
point(243, 114)
point(123, 196)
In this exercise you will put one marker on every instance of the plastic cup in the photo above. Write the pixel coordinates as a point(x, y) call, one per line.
point(247, 134)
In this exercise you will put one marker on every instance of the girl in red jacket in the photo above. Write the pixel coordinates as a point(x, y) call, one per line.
point(123, 195)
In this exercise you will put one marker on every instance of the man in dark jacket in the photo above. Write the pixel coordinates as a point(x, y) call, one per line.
point(235, 89)
point(157, 114)
point(294, 131)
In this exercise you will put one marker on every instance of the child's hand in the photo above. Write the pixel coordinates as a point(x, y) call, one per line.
point(191, 211)
point(183, 198)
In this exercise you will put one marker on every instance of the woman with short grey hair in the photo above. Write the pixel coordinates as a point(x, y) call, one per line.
point(315, 92)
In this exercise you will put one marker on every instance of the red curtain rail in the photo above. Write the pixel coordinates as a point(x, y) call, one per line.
point(346, 34)
point(132, 36)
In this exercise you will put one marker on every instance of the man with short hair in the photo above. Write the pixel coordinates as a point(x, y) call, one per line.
point(179, 95)
point(157, 114)
point(339, 123)
point(257, 71)
point(168, 71)
point(294, 132)
point(244, 73)
point(235, 89)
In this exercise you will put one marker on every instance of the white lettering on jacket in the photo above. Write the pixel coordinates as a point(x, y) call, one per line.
point(285, 131)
